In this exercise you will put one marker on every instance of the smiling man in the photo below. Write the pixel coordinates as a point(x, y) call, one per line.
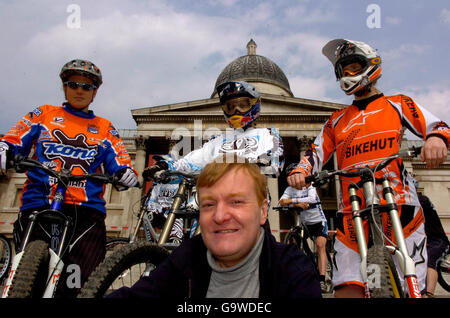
point(234, 257)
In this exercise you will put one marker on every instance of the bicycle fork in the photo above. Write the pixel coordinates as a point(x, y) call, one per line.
point(407, 265)
point(360, 237)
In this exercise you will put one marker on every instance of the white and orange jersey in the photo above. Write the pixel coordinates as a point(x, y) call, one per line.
point(63, 138)
point(365, 133)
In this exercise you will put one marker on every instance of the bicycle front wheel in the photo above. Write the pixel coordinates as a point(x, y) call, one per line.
point(382, 274)
point(443, 269)
point(113, 244)
point(31, 274)
point(5, 256)
point(123, 268)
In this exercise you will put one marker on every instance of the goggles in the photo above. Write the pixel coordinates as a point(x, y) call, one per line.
point(235, 105)
point(84, 86)
point(347, 72)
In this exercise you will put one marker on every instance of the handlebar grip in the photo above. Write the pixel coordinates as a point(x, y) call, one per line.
point(310, 179)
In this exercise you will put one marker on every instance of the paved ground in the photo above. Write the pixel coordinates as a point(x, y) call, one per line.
point(439, 293)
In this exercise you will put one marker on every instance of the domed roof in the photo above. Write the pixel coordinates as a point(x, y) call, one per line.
point(254, 68)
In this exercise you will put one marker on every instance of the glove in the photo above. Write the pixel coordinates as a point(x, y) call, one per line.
point(4, 151)
point(149, 172)
point(127, 178)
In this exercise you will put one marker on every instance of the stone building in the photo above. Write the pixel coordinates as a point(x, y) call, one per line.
point(184, 126)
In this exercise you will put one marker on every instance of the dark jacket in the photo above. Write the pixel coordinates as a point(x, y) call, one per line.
point(284, 272)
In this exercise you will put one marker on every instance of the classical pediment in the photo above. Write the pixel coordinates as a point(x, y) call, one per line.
point(272, 105)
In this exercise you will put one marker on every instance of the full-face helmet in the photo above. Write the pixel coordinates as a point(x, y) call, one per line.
point(342, 52)
point(241, 103)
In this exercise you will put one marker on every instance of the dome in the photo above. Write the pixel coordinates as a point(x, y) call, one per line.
point(254, 68)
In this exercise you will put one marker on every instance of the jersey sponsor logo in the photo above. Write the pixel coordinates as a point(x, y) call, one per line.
point(241, 146)
point(360, 119)
point(36, 112)
point(411, 105)
point(92, 129)
point(72, 152)
point(369, 146)
point(44, 135)
point(114, 131)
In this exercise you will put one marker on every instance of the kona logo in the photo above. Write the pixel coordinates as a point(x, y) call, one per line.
point(72, 152)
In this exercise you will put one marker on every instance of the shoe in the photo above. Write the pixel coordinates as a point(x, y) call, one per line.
point(175, 241)
point(323, 286)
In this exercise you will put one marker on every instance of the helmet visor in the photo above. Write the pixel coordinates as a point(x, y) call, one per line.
point(239, 105)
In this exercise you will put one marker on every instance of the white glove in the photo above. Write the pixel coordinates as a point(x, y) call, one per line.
point(129, 179)
point(3, 154)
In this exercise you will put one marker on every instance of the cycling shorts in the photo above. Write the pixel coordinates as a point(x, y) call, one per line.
point(347, 259)
point(318, 229)
point(436, 249)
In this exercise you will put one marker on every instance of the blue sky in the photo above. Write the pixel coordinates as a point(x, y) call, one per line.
point(160, 51)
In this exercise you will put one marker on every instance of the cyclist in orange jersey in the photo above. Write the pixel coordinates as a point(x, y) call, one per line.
point(364, 133)
point(70, 137)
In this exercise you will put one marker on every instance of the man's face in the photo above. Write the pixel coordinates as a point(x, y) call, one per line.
point(230, 217)
point(79, 98)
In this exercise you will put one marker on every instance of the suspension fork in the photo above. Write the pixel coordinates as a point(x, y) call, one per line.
point(407, 264)
point(360, 236)
point(178, 200)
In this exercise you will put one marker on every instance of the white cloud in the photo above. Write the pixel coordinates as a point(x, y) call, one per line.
point(393, 20)
point(445, 16)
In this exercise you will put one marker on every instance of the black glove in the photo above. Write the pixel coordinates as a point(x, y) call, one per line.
point(149, 172)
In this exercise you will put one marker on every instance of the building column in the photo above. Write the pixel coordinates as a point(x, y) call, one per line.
point(304, 143)
point(135, 193)
point(274, 216)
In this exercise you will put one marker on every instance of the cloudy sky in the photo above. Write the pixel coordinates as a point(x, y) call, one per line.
point(158, 52)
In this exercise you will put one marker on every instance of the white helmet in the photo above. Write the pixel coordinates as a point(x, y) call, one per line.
point(342, 52)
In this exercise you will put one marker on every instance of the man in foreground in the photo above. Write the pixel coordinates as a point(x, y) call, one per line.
point(234, 257)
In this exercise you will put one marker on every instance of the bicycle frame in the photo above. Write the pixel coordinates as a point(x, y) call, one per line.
point(184, 190)
point(57, 244)
point(373, 210)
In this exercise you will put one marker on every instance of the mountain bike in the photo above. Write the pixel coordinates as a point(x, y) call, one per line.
point(379, 257)
point(299, 235)
point(37, 266)
point(5, 256)
point(443, 269)
point(138, 258)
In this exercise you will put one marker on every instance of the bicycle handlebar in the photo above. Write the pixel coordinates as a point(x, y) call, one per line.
point(164, 175)
point(22, 164)
point(323, 176)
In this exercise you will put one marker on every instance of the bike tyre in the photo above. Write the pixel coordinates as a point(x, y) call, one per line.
point(112, 267)
point(31, 274)
point(5, 257)
point(387, 280)
point(113, 244)
point(443, 276)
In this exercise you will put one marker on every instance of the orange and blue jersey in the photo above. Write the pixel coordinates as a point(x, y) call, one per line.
point(61, 137)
